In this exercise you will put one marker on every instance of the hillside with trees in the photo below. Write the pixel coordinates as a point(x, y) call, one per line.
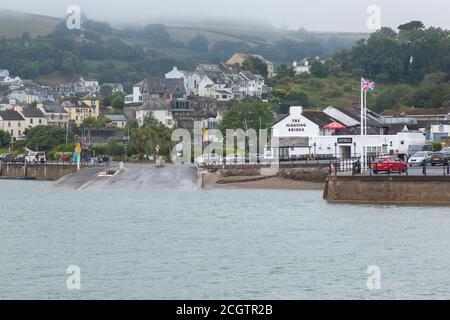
point(411, 67)
point(129, 54)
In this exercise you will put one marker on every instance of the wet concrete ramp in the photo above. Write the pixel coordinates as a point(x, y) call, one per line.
point(77, 179)
point(147, 177)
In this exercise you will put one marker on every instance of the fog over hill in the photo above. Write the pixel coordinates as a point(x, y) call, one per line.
point(321, 15)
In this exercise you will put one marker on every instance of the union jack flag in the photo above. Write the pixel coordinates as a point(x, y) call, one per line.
point(367, 84)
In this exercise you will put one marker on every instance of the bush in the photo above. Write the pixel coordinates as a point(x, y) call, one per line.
point(437, 146)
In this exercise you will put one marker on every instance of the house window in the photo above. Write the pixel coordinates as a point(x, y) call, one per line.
point(9, 124)
point(31, 121)
point(12, 132)
point(40, 121)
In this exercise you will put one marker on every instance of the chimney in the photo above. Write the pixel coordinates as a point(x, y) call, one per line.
point(296, 110)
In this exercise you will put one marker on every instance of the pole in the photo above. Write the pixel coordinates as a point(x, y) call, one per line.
point(365, 127)
point(362, 126)
point(365, 112)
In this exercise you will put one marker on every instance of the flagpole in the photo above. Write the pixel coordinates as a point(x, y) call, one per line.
point(365, 112)
point(362, 125)
point(365, 126)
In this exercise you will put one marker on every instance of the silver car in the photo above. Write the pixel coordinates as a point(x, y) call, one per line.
point(420, 158)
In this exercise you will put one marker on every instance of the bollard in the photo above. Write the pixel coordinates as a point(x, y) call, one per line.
point(424, 169)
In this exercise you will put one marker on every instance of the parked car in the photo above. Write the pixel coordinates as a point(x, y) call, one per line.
point(20, 158)
point(446, 150)
point(420, 158)
point(6, 157)
point(388, 164)
point(440, 158)
point(413, 149)
point(36, 157)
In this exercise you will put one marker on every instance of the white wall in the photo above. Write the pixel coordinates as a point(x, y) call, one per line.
point(296, 125)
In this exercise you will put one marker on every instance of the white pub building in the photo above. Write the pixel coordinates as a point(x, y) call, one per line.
point(335, 133)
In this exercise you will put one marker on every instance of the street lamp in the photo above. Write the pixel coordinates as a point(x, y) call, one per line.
point(126, 141)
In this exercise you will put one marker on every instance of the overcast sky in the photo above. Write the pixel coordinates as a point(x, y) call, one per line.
point(318, 15)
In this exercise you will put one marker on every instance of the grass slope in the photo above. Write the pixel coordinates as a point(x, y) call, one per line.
point(13, 24)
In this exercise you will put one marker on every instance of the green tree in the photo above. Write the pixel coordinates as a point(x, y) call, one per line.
point(199, 43)
point(285, 70)
point(255, 65)
point(91, 122)
point(157, 34)
point(106, 90)
point(147, 139)
point(118, 102)
point(319, 69)
point(247, 115)
point(45, 138)
point(5, 138)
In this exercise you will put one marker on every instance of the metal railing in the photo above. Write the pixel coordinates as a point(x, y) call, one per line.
point(353, 167)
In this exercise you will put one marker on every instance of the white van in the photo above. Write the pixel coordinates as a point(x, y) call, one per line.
point(36, 157)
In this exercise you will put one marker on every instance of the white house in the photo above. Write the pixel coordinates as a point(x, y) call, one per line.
point(191, 79)
point(136, 96)
point(157, 110)
point(55, 115)
point(12, 122)
point(33, 117)
point(116, 121)
point(303, 65)
point(306, 133)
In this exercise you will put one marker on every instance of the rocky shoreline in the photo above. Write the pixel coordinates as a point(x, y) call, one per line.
point(287, 179)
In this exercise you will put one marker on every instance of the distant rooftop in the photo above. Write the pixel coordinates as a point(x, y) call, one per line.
point(11, 115)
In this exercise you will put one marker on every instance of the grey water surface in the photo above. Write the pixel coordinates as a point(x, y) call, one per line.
point(218, 244)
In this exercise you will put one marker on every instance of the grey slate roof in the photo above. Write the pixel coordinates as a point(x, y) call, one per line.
point(11, 115)
point(116, 117)
point(163, 85)
point(318, 117)
point(53, 108)
point(32, 113)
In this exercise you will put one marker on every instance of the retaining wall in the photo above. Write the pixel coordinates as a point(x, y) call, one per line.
point(50, 172)
point(426, 190)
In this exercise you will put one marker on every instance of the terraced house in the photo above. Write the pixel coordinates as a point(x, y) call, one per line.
point(12, 122)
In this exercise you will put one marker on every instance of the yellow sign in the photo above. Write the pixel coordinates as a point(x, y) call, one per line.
point(204, 133)
point(78, 149)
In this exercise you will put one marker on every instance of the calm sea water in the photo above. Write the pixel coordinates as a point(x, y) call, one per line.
point(234, 244)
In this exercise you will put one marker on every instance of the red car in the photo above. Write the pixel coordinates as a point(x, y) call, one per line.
point(388, 164)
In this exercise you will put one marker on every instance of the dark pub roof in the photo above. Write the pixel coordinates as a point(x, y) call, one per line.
point(318, 117)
